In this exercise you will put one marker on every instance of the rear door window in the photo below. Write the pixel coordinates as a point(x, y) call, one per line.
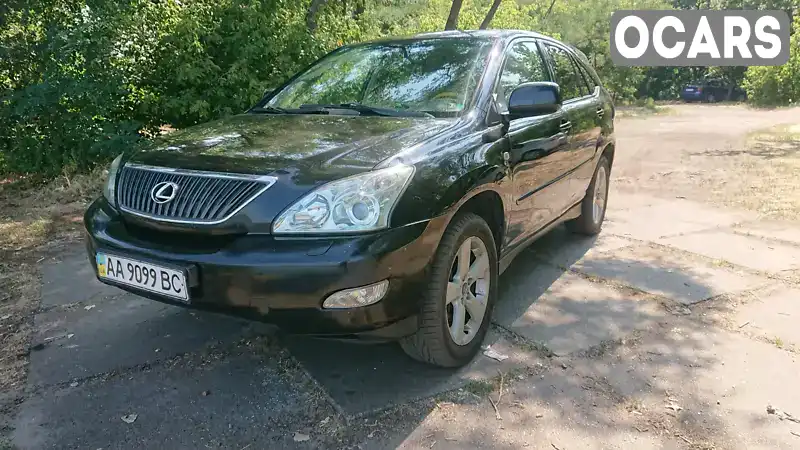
point(566, 74)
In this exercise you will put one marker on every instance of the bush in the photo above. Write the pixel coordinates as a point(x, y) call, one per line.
point(81, 81)
point(75, 102)
point(777, 85)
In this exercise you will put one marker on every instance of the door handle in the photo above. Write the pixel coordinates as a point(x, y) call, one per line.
point(565, 126)
point(600, 112)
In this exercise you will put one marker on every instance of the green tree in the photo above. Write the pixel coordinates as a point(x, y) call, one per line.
point(777, 85)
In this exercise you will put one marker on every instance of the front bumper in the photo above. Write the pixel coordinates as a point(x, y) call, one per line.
point(284, 280)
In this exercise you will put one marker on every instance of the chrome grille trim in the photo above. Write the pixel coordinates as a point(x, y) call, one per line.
point(206, 198)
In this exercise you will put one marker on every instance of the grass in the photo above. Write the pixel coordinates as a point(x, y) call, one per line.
point(778, 342)
point(480, 388)
point(36, 219)
point(760, 174)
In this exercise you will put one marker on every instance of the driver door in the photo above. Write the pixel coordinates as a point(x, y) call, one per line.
point(538, 149)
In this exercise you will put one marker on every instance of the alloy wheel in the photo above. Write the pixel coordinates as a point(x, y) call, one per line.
point(600, 193)
point(468, 290)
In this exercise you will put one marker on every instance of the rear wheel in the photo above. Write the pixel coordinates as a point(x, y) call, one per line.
point(593, 205)
point(457, 303)
point(711, 98)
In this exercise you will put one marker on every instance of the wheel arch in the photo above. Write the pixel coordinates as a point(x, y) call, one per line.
point(608, 151)
point(486, 202)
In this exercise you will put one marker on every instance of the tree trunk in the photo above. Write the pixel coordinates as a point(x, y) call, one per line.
point(311, 15)
point(452, 19)
point(490, 15)
point(549, 9)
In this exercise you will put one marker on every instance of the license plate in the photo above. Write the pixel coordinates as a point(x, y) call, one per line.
point(689, 89)
point(143, 275)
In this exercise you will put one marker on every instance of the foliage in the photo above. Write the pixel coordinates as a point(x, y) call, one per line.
point(777, 85)
point(81, 80)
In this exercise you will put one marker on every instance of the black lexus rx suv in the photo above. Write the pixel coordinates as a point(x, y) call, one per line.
point(377, 194)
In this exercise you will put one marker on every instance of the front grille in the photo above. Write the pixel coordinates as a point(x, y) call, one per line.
point(200, 197)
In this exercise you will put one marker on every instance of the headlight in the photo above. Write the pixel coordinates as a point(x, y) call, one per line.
point(111, 182)
point(359, 203)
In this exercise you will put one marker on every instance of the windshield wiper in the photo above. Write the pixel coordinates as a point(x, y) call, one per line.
point(270, 110)
point(365, 110)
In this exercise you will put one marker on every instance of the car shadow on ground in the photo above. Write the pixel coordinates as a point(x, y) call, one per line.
point(376, 383)
point(600, 377)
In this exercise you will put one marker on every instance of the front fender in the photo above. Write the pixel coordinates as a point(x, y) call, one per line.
point(448, 176)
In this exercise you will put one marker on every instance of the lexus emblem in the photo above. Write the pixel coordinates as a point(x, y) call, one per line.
point(164, 192)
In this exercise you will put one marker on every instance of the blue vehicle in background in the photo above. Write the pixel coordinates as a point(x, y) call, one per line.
point(712, 91)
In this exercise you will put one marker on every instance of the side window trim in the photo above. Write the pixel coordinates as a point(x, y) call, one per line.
point(575, 63)
point(589, 81)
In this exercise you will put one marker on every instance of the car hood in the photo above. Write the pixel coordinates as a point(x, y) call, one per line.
point(315, 147)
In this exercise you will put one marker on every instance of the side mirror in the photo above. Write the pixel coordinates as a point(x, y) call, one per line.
point(534, 99)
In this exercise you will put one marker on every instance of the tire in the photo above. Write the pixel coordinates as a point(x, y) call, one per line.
point(590, 222)
point(711, 98)
point(434, 342)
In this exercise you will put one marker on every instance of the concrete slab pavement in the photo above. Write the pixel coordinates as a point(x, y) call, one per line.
point(119, 332)
point(116, 354)
point(563, 248)
point(69, 278)
point(775, 317)
point(367, 378)
point(679, 385)
point(741, 250)
point(576, 314)
point(249, 401)
point(667, 274)
point(661, 218)
point(779, 231)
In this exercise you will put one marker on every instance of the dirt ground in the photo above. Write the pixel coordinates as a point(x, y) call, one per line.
point(676, 328)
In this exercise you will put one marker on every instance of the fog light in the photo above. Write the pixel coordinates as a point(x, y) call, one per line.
point(357, 297)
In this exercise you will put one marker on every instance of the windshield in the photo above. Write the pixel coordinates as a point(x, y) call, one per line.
point(434, 76)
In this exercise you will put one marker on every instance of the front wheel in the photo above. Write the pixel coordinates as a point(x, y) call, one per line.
point(457, 302)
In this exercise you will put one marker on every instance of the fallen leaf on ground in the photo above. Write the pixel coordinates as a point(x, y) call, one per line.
point(130, 418)
point(89, 307)
point(300, 437)
point(74, 384)
point(491, 353)
point(325, 420)
point(674, 407)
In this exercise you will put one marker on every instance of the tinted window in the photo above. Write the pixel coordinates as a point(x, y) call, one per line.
point(523, 64)
point(590, 83)
point(567, 76)
point(437, 76)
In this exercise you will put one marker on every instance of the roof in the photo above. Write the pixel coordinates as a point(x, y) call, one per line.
point(480, 34)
